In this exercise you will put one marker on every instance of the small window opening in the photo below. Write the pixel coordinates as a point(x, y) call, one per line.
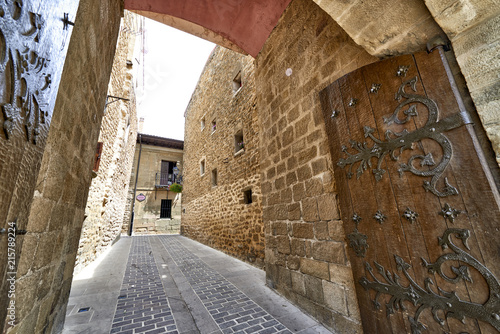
point(214, 125)
point(214, 177)
point(202, 167)
point(247, 196)
point(97, 157)
point(202, 123)
point(237, 82)
point(184, 210)
point(239, 144)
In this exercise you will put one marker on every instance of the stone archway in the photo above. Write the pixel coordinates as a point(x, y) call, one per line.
point(242, 26)
point(319, 51)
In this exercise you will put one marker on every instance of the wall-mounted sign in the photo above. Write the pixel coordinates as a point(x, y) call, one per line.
point(141, 197)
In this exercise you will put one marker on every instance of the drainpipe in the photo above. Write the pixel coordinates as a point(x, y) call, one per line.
point(131, 225)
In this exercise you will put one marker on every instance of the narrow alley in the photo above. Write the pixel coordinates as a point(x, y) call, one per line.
point(171, 284)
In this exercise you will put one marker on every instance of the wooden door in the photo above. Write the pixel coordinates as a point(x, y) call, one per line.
point(420, 210)
point(34, 36)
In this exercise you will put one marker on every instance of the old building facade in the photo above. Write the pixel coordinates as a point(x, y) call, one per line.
point(153, 206)
point(310, 255)
point(222, 197)
point(114, 154)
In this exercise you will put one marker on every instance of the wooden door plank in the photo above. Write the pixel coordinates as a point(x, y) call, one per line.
point(433, 225)
point(402, 183)
point(337, 128)
point(464, 164)
point(363, 189)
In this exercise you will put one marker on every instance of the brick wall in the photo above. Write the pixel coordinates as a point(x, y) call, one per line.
point(305, 254)
point(218, 215)
point(108, 191)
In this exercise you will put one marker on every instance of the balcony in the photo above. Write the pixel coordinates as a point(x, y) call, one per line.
point(164, 180)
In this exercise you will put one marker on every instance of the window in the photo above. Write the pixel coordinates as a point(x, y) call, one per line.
point(202, 167)
point(97, 157)
point(167, 172)
point(238, 141)
point(202, 123)
point(247, 196)
point(166, 208)
point(214, 177)
point(237, 82)
point(214, 126)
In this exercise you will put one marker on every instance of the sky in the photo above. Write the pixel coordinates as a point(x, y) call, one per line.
point(173, 62)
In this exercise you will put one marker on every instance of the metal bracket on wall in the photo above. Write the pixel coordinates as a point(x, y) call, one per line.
point(116, 98)
point(437, 41)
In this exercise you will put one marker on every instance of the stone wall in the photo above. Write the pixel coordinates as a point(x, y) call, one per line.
point(147, 212)
point(217, 214)
point(56, 214)
point(472, 27)
point(305, 255)
point(109, 188)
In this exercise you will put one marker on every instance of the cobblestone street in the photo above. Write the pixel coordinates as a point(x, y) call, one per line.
point(171, 284)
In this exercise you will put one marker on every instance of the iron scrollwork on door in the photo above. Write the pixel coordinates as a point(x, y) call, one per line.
point(24, 70)
point(404, 140)
point(447, 302)
point(357, 240)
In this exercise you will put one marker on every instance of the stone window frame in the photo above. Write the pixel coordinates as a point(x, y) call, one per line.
point(247, 196)
point(237, 81)
point(202, 122)
point(214, 177)
point(239, 138)
point(203, 166)
point(214, 125)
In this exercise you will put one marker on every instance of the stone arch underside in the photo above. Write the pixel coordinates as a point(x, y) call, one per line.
point(242, 26)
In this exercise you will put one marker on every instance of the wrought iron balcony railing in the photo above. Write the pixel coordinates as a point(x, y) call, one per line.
point(164, 180)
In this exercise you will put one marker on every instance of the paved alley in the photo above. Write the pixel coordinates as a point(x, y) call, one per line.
point(171, 284)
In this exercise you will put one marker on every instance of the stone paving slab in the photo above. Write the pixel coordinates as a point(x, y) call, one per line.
point(171, 284)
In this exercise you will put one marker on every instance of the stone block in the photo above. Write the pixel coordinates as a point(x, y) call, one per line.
point(293, 262)
point(283, 244)
point(299, 192)
point(279, 183)
point(298, 247)
point(291, 178)
point(336, 230)
point(319, 166)
point(330, 251)
point(335, 297)
point(328, 207)
point(294, 212)
point(281, 211)
point(315, 268)
point(307, 155)
point(279, 228)
point(310, 209)
point(321, 230)
point(302, 230)
point(314, 288)
point(304, 173)
point(342, 275)
point(314, 187)
point(284, 277)
point(298, 284)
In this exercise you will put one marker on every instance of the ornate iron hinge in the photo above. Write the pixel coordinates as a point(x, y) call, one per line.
point(425, 297)
point(394, 142)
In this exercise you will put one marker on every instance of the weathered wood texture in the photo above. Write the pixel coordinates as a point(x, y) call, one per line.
point(362, 115)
